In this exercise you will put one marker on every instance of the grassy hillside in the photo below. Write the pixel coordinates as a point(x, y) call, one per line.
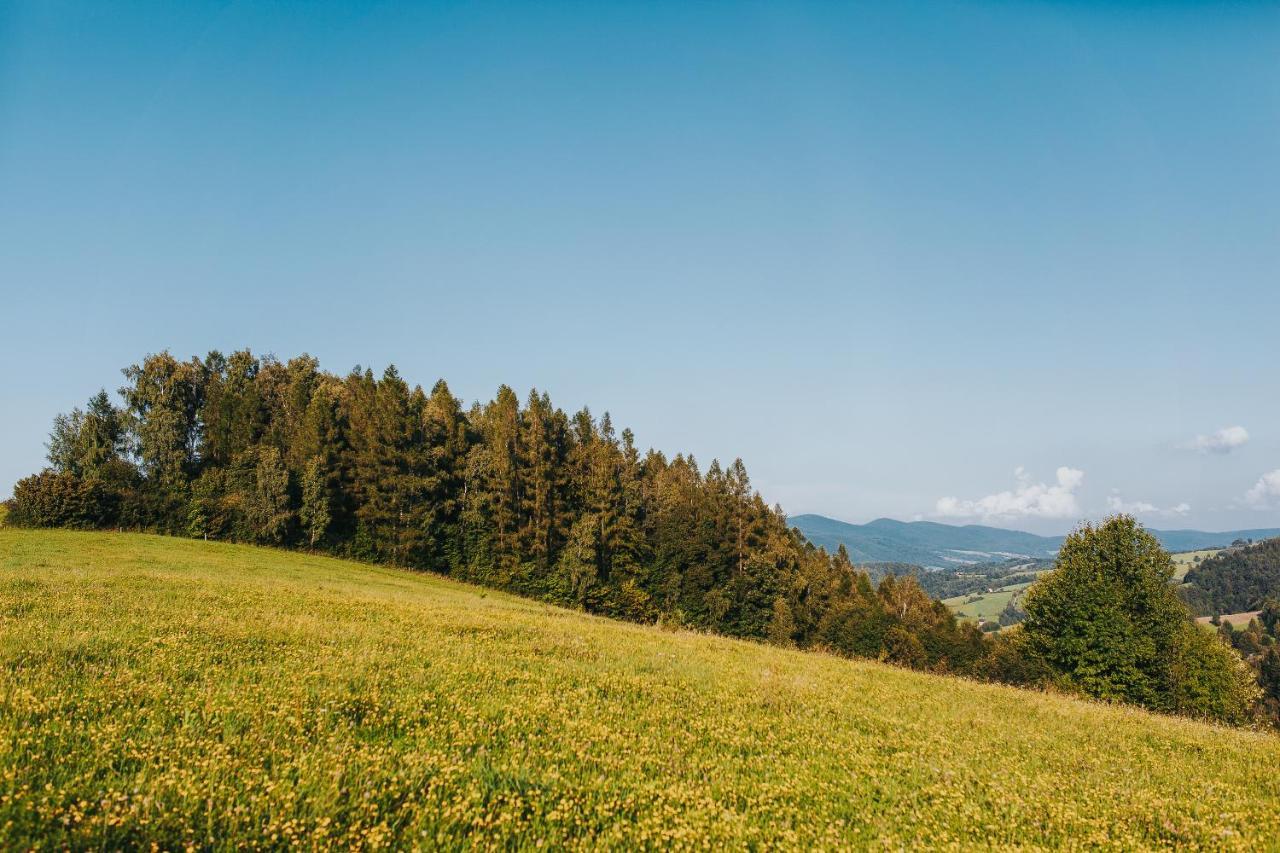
point(1185, 561)
point(208, 694)
point(984, 606)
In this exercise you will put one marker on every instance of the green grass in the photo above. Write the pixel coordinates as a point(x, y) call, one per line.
point(984, 606)
point(1184, 561)
point(190, 693)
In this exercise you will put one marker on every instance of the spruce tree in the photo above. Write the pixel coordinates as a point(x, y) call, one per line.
point(445, 434)
point(541, 454)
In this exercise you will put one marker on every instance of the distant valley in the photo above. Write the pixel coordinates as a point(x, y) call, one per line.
point(943, 546)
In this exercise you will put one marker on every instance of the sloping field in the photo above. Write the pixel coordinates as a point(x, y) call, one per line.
point(1237, 620)
point(984, 606)
point(189, 693)
point(1186, 560)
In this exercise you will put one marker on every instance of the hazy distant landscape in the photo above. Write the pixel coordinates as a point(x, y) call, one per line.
point(980, 572)
point(932, 545)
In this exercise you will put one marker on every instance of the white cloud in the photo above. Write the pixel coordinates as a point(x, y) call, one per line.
point(1115, 503)
point(1266, 492)
point(1027, 500)
point(1224, 440)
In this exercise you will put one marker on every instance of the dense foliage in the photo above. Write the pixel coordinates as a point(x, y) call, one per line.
point(1107, 622)
point(1239, 579)
point(1258, 642)
point(520, 497)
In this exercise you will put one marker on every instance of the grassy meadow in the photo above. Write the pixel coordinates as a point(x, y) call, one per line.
point(1184, 561)
point(984, 606)
point(210, 695)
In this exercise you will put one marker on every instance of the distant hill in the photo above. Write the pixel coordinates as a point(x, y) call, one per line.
point(924, 543)
point(1235, 580)
point(1195, 540)
point(928, 543)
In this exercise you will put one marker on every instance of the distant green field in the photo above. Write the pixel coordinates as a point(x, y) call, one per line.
point(186, 694)
point(1184, 561)
point(985, 606)
point(988, 605)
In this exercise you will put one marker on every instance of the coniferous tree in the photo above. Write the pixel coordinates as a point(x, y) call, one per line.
point(390, 464)
point(500, 489)
point(88, 443)
point(233, 415)
point(541, 450)
point(445, 433)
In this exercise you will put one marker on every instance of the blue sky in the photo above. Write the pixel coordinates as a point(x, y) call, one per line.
point(887, 253)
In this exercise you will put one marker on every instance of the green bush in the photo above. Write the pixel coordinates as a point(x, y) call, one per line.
point(1012, 662)
point(51, 499)
point(1210, 680)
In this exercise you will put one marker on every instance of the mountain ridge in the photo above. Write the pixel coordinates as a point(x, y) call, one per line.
point(938, 545)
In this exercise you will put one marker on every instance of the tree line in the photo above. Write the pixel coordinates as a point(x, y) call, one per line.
point(519, 496)
point(564, 508)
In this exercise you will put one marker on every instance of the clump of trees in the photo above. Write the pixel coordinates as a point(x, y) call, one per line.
point(520, 496)
point(1259, 644)
point(1237, 580)
point(1107, 622)
point(564, 508)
